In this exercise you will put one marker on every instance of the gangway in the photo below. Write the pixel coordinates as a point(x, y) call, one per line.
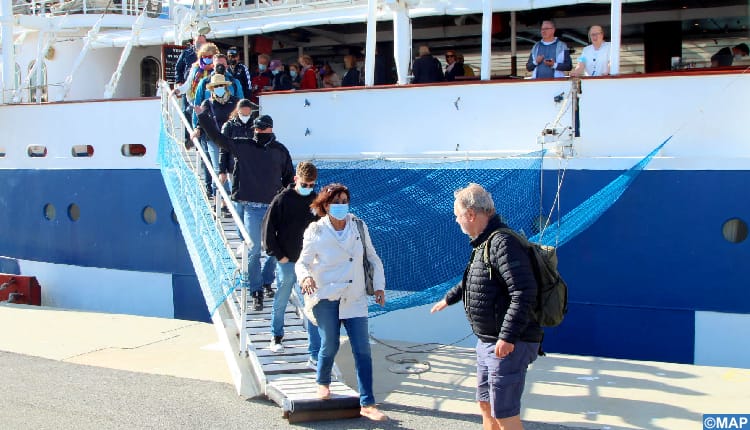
point(215, 244)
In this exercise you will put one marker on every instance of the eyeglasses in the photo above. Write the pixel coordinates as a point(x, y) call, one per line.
point(449, 56)
point(307, 185)
point(547, 28)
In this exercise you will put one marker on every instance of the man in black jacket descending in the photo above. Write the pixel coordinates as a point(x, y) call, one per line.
point(498, 300)
point(284, 224)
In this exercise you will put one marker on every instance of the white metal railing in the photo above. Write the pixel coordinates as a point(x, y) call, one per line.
point(196, 165)
point(85, 7)
point(207, 8)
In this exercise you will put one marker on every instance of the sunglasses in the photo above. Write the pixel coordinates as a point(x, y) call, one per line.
point(307, 185)
point(450, 56)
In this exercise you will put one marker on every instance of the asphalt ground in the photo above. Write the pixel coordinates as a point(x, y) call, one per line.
point(40, 393)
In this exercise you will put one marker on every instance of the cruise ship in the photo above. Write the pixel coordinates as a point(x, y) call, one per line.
point(638, 177)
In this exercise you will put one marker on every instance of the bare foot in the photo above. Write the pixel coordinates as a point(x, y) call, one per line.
point(324, 393)
point(373, 413)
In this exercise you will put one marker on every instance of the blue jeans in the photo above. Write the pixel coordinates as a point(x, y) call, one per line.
point(284, 287)
point(329, 325)
point(206, 176)
point(252, 215)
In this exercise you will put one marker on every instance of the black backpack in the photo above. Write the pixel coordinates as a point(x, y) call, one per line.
point(552, 291)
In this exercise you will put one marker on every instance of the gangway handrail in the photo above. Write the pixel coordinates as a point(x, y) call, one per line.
point(222, 194)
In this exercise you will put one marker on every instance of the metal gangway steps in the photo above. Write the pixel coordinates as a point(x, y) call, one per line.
point(218, 249)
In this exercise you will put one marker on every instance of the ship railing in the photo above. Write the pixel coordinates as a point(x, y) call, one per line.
point(217, 8)
point(179, 124)
point(86, 7)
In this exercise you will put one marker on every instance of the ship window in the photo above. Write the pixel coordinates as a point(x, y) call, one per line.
point(150, 74)
point(149, 215)
point(2, 152)
point(34, 85)
point(734, 230)
point(82, 151)
point(74, 212)
point(49, 211)
point(36, 151)
point(174, 218)
point(133, 150)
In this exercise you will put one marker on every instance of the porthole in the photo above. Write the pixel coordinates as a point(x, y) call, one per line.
point(36, 151)
point(49, 211)
point(74, 212)
point(133, 150)
point(734, 230)
point(174, 218)
point(82, 151)
point(149, 215)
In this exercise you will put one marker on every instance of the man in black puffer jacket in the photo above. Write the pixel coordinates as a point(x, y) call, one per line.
point(498, 300)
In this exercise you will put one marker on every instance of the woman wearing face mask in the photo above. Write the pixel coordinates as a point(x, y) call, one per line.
point(220, 105)
point(330, 267)
point(199, 70)
point(280, 81)
point(295, 76)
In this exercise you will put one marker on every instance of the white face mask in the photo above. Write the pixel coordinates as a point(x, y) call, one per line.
point(244, 118)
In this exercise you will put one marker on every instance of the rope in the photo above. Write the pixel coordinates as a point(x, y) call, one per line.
point(414, 366)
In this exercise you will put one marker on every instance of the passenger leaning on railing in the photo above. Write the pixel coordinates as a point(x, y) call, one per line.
point(550, 57)
point(263, 167)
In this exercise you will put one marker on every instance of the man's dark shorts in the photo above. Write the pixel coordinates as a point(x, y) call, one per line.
point(500, 381)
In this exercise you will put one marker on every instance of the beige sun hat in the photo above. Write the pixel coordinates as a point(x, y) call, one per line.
point(217, 80)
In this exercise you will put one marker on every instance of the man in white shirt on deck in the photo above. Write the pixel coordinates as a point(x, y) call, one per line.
point(594, 60)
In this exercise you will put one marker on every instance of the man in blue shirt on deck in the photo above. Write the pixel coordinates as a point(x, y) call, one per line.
point(549, 57)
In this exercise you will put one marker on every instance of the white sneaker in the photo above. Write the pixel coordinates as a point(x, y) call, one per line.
point(276, 347)
point(312, 363)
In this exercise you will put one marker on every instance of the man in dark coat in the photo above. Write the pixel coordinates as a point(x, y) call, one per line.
point(725, 57)
point(426, 68)
point(498, 299)
point(284, 225)
point(263, 167)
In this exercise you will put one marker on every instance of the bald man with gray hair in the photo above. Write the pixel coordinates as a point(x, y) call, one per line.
point(499, 295)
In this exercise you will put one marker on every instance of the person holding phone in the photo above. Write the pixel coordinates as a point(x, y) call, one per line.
point(550, 57)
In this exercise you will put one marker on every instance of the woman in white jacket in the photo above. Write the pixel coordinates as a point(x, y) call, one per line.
point(332, 276)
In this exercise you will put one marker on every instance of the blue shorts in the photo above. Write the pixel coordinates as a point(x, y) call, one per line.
point(500, 381)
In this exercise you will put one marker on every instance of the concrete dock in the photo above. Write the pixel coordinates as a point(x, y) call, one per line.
point(70, 369)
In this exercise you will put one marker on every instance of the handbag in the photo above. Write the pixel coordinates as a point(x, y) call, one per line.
point(369, 269)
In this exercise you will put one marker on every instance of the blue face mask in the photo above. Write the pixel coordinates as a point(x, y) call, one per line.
point(339, 210)
point(293, 73)
point(219, 91)
point(304, 191)
point(262, 67)
point(275, 72)
point(207, 61)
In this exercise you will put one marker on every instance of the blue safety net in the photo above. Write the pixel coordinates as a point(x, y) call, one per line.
point(408, 207)
point(217, 271)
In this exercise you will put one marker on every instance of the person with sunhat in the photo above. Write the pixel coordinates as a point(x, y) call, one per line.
point(263, 167)
point(220, 106)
